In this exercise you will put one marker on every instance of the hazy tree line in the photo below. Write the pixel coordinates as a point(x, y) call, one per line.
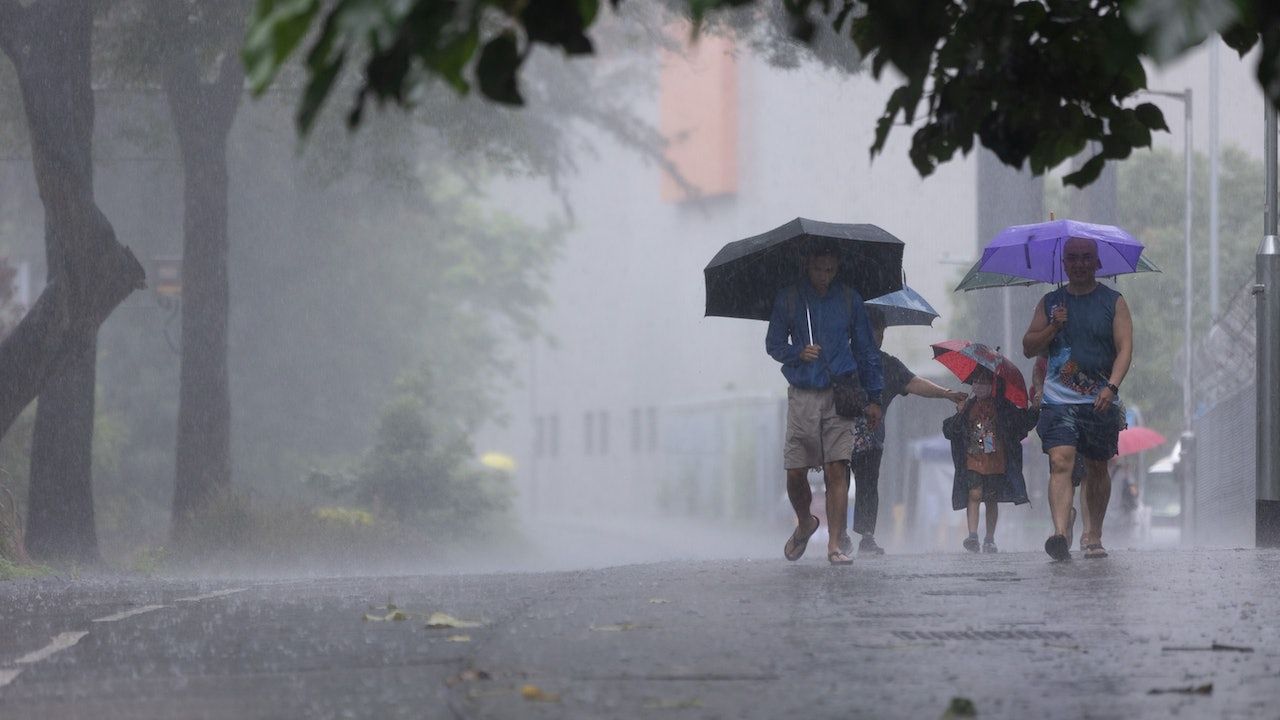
point(357, 285)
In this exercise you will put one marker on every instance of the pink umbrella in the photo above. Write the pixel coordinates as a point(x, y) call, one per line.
point(1134, 440)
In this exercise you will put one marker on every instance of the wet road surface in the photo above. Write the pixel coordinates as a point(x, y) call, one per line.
point(1142, 634)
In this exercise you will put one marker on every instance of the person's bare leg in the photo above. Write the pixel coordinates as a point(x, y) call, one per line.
point(801, 498)
point(1086, 521)
point(836, 475)
point(971, 512)
point(1061, 492)
point(1097, 487)
point(993, 516)
point(800, 495)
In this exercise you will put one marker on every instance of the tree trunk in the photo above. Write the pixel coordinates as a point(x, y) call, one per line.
point(90, 273)
point(202, 116)
point(60, 499)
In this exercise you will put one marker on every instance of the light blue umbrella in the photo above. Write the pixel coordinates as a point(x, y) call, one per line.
point(904, 307)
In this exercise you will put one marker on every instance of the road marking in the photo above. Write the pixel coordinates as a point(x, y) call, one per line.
point(206, 596)
point(129, 613)
point(61, 641)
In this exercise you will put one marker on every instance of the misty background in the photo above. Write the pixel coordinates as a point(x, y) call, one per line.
point(465, 327)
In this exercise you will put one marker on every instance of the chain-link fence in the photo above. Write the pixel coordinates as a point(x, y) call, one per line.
point(1224, 490)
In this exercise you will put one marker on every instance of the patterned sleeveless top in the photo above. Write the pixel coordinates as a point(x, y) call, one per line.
point(1083, 351)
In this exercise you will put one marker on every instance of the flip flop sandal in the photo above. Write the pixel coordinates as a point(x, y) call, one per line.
point(846, 544)
point(1057, 547)
point(1094, 551)
point(796, 545)
point(835, 557)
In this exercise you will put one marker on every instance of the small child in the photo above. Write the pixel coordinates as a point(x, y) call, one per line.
point(986, 447)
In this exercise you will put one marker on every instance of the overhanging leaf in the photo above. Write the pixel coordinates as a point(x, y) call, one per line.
point(498, 68)
point(276, 28)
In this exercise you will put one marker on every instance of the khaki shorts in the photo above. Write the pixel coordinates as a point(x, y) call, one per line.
point(815, 433)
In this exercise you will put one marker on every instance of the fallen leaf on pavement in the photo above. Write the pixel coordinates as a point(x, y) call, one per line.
point(537, 694)
point(394, 615)
point(444, 620)
point(673, 704)
point(469, 675)
point(1206, 689)
point(960, 707)
point(619, 627)
point(1216, 647)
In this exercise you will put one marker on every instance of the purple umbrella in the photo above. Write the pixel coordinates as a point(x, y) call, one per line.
point(1035, 251)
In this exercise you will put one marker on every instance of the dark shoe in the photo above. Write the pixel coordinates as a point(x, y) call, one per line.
point(971, 544)
point(1058, 547)
point(868, 546)
point(846, 543)
point(799, 540)
point(989, 546)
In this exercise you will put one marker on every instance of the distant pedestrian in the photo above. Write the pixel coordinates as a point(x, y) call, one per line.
point(869, 444)
point(1087, 333)
point(1126, 482)
point(986, 448)
point(819, 331)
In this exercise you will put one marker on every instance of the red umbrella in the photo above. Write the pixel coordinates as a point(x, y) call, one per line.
point(962, 356)
point(1136, 439)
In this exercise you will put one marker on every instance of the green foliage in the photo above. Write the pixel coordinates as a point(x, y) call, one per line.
point(10, 570)
point(1151, 192)
point(422, 470)
point(1033, 81)
point(15, 446)
point(398, 43)
point(149, 561)
point(224, 521)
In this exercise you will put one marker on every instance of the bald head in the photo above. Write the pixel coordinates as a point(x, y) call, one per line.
point(1080, 260)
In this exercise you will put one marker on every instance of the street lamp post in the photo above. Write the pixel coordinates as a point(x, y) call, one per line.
point(1267, 291)
point(1187, 457)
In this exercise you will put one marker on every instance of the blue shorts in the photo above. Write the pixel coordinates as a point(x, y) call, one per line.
point(1095, 435)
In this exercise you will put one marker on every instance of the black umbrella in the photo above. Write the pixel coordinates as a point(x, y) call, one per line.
point(746, 275)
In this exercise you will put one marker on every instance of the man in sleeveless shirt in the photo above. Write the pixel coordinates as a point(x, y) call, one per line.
point(1085, 330)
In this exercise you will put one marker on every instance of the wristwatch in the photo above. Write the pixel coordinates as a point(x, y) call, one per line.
point(1114, 390)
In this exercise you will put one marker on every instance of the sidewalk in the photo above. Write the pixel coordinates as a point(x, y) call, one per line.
point(1152, 634)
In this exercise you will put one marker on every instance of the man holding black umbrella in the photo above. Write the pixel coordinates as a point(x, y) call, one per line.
point(819, 331)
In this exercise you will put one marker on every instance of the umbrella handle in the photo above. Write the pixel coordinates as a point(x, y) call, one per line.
point(809, 319)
